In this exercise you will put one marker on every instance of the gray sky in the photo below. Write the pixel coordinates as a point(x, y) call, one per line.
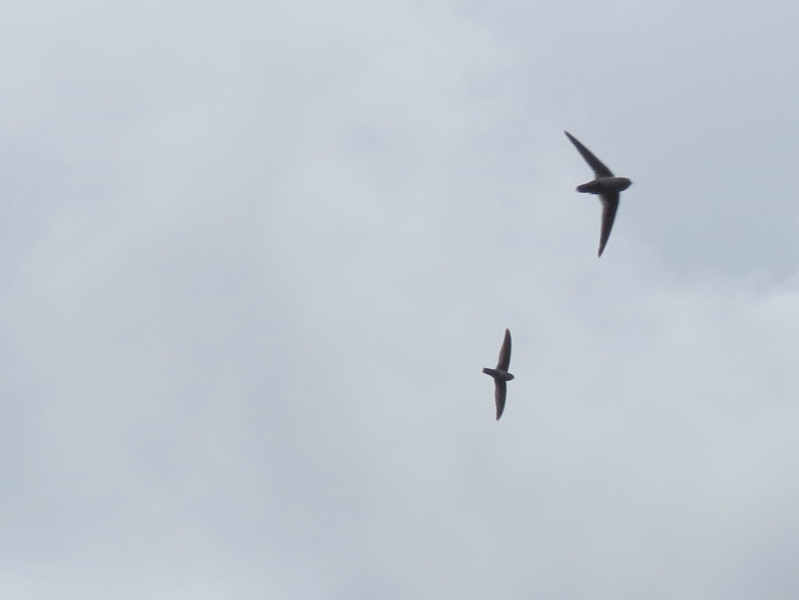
point(255, 255)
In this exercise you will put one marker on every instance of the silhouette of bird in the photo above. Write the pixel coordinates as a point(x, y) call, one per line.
point(500, 374)
point(605, 185)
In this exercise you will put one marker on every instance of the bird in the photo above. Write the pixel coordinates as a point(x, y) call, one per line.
point(501, 375)
point(607, 186)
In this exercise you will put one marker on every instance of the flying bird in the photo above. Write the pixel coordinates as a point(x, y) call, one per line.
point(605, 185)
point(500, 374)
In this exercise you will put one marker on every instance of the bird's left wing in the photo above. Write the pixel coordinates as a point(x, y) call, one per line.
point(600, 170)
point(504, 353)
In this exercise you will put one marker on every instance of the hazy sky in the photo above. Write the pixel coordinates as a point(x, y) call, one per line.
point(256, 254)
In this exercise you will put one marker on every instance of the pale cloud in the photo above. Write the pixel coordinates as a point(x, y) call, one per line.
point(256, 258)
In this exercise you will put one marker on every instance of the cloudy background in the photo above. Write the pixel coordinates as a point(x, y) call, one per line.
point(255, 255)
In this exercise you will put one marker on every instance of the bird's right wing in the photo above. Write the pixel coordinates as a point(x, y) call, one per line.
point(500, 390)
point(610, 203)
point(600, 170)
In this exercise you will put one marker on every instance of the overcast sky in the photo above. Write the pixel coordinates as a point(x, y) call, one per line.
point(256, 254)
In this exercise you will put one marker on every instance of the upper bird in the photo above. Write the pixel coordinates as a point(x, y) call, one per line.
point(606, 185)
point(500, 374)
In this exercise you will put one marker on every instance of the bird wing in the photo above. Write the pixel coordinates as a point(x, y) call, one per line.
point(610, 203)
point(504, 353)
point(499, 395)
point(600, 170)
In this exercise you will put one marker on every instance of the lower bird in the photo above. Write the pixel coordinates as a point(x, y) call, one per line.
point(606, 185)
point(501, 375)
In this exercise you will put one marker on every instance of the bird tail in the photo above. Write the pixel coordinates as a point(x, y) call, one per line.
point(491, 372)
point(589, 188)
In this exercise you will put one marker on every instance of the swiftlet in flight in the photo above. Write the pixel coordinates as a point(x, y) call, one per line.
point(501, 375)
point(605, 185)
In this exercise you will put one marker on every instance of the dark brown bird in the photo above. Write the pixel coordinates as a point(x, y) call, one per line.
point(501, 375)
point(607, 186)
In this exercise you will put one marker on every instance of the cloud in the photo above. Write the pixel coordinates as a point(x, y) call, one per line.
point(256, 259)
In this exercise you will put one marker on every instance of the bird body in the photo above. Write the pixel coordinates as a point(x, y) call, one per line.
point(501, 375)
point(606, 185)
